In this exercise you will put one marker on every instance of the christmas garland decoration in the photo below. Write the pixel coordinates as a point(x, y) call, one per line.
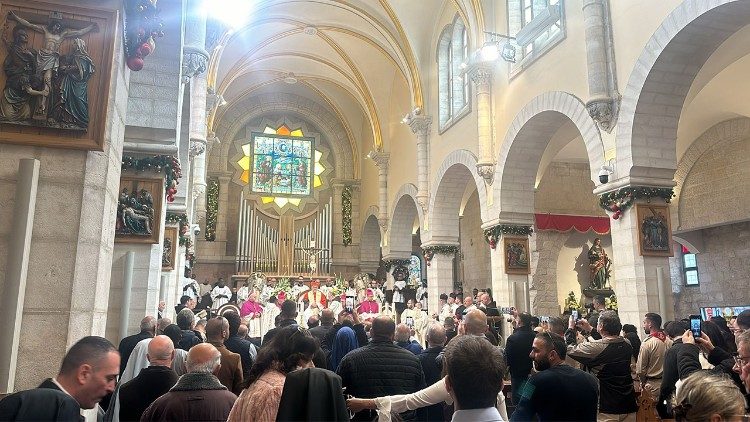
point(212, 209)
point(346, 207)
point(157, 163)
point(184, 224)
point(389, 263)
point(492, 235)
point(142, 25)
point(619, 201)
point(430, 251)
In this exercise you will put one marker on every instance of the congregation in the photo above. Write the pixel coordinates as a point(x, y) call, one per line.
point(363, 362)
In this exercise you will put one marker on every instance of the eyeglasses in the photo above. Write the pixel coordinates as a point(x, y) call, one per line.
point(740, 361)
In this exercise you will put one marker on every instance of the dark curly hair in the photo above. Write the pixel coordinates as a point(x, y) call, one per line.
point(283, 352)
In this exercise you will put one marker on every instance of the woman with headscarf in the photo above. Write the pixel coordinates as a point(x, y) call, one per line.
point(345, 342)
point(290, 349)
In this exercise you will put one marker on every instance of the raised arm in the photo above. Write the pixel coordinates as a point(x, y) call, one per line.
point(23, 22)
point(72, 33)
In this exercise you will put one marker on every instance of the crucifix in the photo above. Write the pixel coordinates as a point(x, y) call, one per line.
point(312, 253)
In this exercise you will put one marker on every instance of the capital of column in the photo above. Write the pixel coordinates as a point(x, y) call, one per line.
point(194, 62)
point(487, 171)
point(604, 112)
point(380, 159)
point(197, 147)
point(480, 73)
point(419, 124)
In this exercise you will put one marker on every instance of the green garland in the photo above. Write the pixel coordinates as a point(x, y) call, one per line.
point(617, 202)
point(388, 263)
point(430, 251)
point(157, 163)
point(184, 224)
point(212, 209)
point(346, 207)
point(492, 235)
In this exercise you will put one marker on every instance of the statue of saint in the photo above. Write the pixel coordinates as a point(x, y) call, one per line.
point(599, 266)
point(48, 58)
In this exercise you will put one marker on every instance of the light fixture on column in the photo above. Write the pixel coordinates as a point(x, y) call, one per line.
point(491, 50)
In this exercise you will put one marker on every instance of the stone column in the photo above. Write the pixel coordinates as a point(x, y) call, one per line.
point(439, 277)
point(604, 99)
point(222, 217)
point(346, 261)
point(634, 277)
point(381, 160)
point(481, 75)
point(420, 125)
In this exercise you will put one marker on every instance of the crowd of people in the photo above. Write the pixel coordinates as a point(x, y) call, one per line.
point(359, 363)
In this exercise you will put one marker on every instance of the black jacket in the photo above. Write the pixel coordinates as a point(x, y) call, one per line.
point(272, 332)
point(128, 344)
point(312, 394)
point(330, 338)
point(189, 339)
point(669, 378)
point(239, 345)
point(320, 333)
point(432, 369)
point(517, 349)
point(137, 394)
point(40, 404)
point(381, 369)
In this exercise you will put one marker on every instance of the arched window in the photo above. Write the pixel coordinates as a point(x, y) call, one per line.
point(543, 21)
point(453, 82)
point(415, 271)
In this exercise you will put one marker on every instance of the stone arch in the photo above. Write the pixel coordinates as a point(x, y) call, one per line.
point(661, 79)
point(369, 246)
point(456, 172)
point(343, 148)
point(727, 131)
point(405, 210)
point(528, 137)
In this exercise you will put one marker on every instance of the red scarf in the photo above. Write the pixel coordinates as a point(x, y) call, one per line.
point(659, 334)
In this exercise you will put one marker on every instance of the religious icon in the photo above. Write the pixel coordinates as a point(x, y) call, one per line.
point(599, 266)
point(516, 252)
point(654, 230)
point(169, 248)
point(137, 210)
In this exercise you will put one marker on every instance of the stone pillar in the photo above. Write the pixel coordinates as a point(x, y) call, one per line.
point(481, 75)
point(439, 278)
point(634, 277)
point(420, 125)
point(14, 289)
point(345, 258)
point(381, 160)
point(222, 217)
point(604, 99)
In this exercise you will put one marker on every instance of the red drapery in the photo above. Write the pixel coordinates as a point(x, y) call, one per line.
point(565, 223)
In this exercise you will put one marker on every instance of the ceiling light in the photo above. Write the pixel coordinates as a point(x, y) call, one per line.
point(489, 52)
point(290, 79)
point(234, 13)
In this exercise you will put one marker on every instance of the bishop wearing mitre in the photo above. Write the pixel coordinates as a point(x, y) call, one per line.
point(314, 295)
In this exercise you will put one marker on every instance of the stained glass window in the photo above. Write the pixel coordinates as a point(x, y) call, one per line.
point(281, 165)
point(415, 271)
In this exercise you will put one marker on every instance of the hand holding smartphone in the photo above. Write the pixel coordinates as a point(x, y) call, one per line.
point(349, 305)
point(574, 313)
point(696, 325)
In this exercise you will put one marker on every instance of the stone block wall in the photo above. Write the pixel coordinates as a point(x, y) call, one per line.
point(566, 188)
point(475, 265)
point(723, 271)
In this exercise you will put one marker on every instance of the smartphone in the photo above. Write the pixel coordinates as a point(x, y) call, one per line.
point(574, 313)
point(409, 321)
point(695, 325)
point(349, 305)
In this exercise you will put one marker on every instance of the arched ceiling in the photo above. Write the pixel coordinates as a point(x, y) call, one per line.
point(346, 51)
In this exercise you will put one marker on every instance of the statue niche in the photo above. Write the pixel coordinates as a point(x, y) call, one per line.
point(46, 87)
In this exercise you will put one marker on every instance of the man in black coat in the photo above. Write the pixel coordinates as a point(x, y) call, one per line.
point(381, 369)
point(186, 322)
point(431, 367)
point(137, 394)
point(236, 344)
point(88, 373)
point(517, 349)
point(287, 317)
point(148, 330)
point(327, 319)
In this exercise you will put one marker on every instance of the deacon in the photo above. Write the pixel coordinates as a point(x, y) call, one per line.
point(220, 295)
point(410, 315)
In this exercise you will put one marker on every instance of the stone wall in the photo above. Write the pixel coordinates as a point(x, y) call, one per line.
point(475, 265)
point(723, 271)
point(566, 188)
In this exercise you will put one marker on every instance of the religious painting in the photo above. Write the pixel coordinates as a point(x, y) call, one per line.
point(169, 249)
point(139, 210)
point(282, 165)
point(654, 230)
point(57, 64)
point(517, 260)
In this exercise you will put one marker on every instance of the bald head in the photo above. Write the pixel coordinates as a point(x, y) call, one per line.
point(217, 329)
point(436, 335)
point(475, 322)
point(160, 351)
point(383, 328)
point(203, 358)
point(403, 332)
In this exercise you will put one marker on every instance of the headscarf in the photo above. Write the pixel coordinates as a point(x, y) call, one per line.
point(344, 343)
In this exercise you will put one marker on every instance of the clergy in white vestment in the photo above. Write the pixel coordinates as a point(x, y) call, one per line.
point(268, 317)
point(243, 293)
point(409, 316)
point(191, 288)
point(421, 321)
point(220, 295)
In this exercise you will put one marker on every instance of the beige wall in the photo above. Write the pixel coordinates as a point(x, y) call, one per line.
point(475, 266)
point(566, 188)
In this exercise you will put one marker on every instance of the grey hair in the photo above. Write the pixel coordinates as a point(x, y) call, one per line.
point(207, 367)
point(403, 332)
point(148, 323)
point(743, 337)
point(703, 394)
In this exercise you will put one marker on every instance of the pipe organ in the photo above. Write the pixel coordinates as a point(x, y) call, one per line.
point(284, 245)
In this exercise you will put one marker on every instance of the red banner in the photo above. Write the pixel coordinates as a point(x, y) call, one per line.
point(565, 223)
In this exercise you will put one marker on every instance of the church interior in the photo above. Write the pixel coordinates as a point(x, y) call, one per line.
point(549, 150)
